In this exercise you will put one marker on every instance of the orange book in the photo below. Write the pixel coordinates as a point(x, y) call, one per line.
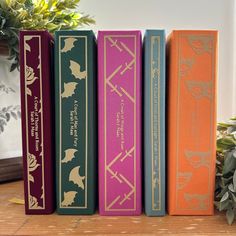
point(192, 57)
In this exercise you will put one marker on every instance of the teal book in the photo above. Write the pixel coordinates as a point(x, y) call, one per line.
point(76, 121)
point(154, 123)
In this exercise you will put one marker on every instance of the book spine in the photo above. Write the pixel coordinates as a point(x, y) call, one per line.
point(37, 130)
point(192, 122)
point(75, 92)
point(119, 95)
point(154, 123)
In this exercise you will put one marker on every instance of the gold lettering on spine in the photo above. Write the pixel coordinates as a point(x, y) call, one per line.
point(155, 101)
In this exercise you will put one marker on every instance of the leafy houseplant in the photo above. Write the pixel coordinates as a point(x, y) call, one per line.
point(52, 15)
point(225, 191)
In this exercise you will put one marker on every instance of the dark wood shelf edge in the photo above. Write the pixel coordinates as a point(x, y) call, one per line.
point(11, 169)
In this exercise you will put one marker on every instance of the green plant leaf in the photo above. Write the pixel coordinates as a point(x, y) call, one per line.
point(233, 198)
point(217, 204)
point(35, 15)
point(225, 197)
point(223, 205)
point(234, 153)
point(230, 216)
point(234, 180)
point(229, 163)
point(224, 189)
point(231, 188)
point(13, 67)
point(7, 116)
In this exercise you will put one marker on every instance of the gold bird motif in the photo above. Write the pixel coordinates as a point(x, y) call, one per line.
point(69, 44)
point(69, 155)
point(69, 198)
point(69, 89)
point(76, 70)
point(76, 178)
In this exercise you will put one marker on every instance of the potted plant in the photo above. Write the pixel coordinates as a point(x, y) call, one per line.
point(16, 15)
point(51, 15)
point(225, 191)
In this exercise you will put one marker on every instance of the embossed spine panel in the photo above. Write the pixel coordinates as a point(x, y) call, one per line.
point(119, 96)
point(76, 119)
point(37, 127)
point(191, 122)
point(154, 123)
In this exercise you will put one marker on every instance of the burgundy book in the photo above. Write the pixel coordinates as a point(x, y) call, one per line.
point(36, 69)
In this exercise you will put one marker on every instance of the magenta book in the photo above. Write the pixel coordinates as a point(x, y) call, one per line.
point(37, 127)
point(119, 122)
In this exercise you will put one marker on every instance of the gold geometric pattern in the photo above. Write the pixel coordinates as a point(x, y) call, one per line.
point(120, 91)
point(114, 43)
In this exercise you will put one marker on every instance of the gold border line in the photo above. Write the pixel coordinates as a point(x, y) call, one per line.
point(182, 35)
point(86, 120)
point(158, 120)
point(105, 120)
point(27, 125)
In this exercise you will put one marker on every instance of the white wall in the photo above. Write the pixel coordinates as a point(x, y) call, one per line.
point(178, 14)
point(10, 138)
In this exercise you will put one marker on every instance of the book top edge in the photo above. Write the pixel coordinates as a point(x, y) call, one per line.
point(34, 32)
point(195, 31)
point(116, 32)
point(74, 32)
point(154, 32)
point(40, 33)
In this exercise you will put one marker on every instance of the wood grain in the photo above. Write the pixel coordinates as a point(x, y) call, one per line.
point(13, 221)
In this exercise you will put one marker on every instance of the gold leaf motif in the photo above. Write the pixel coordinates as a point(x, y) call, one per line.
point(76, 178)
point(76, 70)
point(31, 178)
point(42, 195)
point(30, 78)
point(69, 198)
point(27, 47)
point(28, 91)
point(33, 203)
point(28, 37)
point(32, 162)
point(69, 155)
point(30, 75)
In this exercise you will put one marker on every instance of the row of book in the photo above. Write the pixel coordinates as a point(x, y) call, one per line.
point(110, 123)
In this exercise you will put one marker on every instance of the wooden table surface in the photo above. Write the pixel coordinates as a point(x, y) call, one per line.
point(13, 221)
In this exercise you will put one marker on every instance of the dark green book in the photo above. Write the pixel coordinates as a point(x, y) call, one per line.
point(76, 121)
